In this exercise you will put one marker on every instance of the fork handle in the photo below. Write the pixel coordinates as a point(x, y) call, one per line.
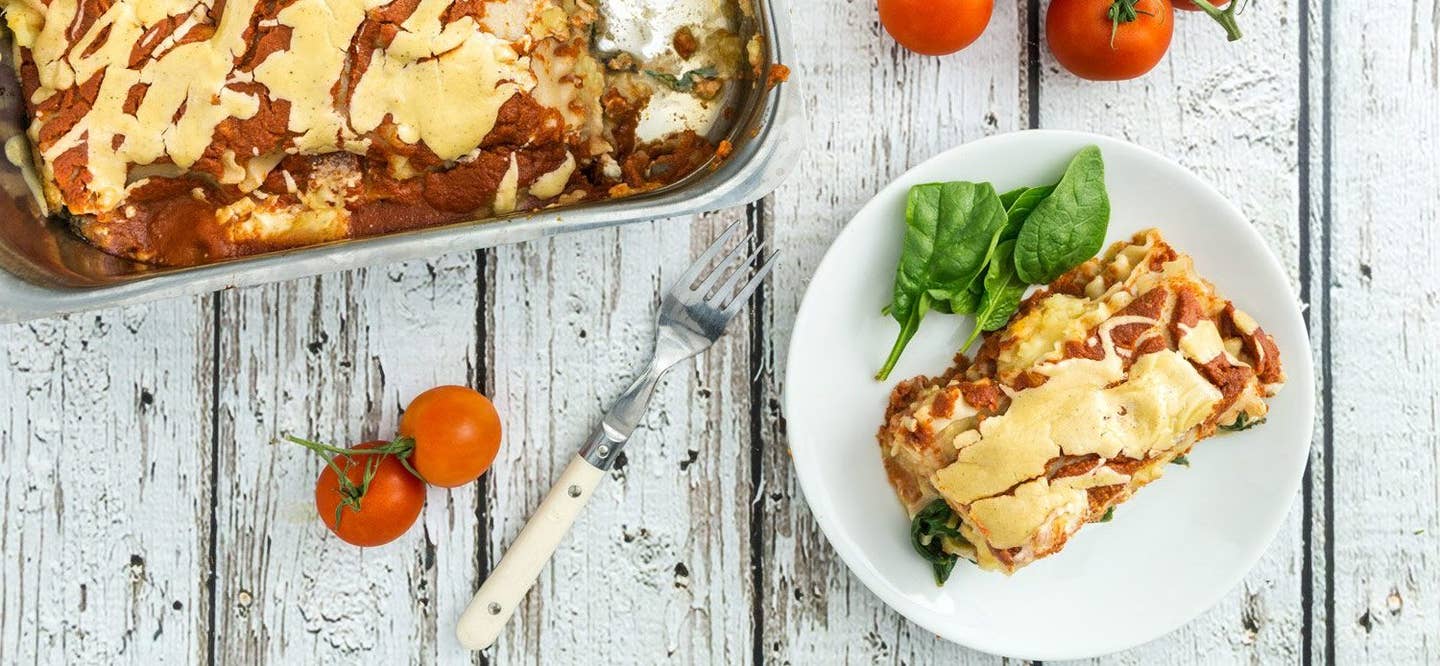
point(486, 616)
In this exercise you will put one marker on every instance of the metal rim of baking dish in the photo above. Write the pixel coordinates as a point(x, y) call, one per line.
point(768, 140)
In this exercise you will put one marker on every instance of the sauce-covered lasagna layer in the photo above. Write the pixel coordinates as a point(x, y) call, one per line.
point(1094, 386)
point(184, 131)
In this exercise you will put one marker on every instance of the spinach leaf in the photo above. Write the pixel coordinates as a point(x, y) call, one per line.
point(927, 532)
point(1242, 422)
point(948, 227)
point(685, 82)
point(1018, 211)
point(1067, 227)
point(1003, 291)
point(1018, 207)
point(1008, 199)
point(1109, 513)
point(968, 301)
point(1182, 460)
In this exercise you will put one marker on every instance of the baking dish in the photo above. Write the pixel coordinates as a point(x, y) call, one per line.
point(46, 270)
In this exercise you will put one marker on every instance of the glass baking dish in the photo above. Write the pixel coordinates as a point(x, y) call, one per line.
point(47, 270)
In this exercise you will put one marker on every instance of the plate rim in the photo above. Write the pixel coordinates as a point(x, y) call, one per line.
point(1271, 528)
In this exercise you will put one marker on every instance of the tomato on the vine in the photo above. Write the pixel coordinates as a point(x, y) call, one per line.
point(1109, 40)
point(368, 499)
point(935, 27)
point(456, 433)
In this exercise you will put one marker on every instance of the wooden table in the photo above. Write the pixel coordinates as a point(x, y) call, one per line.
point(148, 516)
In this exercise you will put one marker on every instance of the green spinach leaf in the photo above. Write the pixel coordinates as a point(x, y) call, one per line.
point(968, 301)
point(1018, 211)
point(1109, 513)
point(928, 531)
point(1242, 422)
point(1068, 226)
point(1018, 205)
point(1181, 460)
point(1003, 291)
point(948, 227)
point(1008, 199)
point(685, 82)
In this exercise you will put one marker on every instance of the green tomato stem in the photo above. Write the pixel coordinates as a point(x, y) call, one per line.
point(1225, 17)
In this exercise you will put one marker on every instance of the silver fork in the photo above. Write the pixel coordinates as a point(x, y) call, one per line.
point(692, 317)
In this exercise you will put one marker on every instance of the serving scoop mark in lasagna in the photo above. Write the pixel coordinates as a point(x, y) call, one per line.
point(183, 131)
point(1099, 381)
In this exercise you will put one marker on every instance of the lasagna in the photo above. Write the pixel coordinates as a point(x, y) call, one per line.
point(1097, 384)
point(179, 132)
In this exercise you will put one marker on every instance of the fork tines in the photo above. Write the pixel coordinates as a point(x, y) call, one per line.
point(736, 265)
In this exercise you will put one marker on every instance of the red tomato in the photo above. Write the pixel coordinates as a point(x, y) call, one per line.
point(456, 432)
point(1190, 6)
point(370, 513)
point(935, 27)
point(1093, 44)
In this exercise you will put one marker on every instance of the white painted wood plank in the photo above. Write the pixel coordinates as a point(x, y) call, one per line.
point(104, 452)
point(337, 357)
point(1230, 112)
point(1385, 309)
point(875, 111)
point(657, 568)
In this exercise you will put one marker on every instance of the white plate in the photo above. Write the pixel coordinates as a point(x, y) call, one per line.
point(1173, 550)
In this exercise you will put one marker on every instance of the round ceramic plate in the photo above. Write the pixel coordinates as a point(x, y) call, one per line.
point(1173, 550)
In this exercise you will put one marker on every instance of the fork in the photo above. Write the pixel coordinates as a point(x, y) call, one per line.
point(692, 317)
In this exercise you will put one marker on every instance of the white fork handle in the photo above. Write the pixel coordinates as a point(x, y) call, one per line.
point(486, 616)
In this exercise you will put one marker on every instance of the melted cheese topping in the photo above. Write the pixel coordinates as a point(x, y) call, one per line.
point(188, 94)
point(1041, 331)
point(440, 84)
point(551, 184)
point(1202, 343)
point(17, 151)
point(1074, 413)
point(1009, 521)
point(304, 73)
point(509, 189)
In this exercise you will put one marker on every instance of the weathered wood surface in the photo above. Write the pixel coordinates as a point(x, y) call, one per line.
point(1381, 274)
point(658, 567)
point(149, 517)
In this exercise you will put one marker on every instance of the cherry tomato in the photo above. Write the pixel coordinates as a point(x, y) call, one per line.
point(935, 27)
point(369, 512)
point(1093, 44)
point(1190, 6)
point(456, 432)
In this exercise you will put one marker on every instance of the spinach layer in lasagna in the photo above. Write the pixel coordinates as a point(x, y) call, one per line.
point(1096, 384)
point(184, 131)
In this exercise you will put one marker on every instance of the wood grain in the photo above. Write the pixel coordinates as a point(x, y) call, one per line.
point(657, 568)
point(335, 358)
point(1383, 307)
point(104, 452)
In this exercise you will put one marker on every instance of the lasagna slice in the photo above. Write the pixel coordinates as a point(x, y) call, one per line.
point(1096, 384)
